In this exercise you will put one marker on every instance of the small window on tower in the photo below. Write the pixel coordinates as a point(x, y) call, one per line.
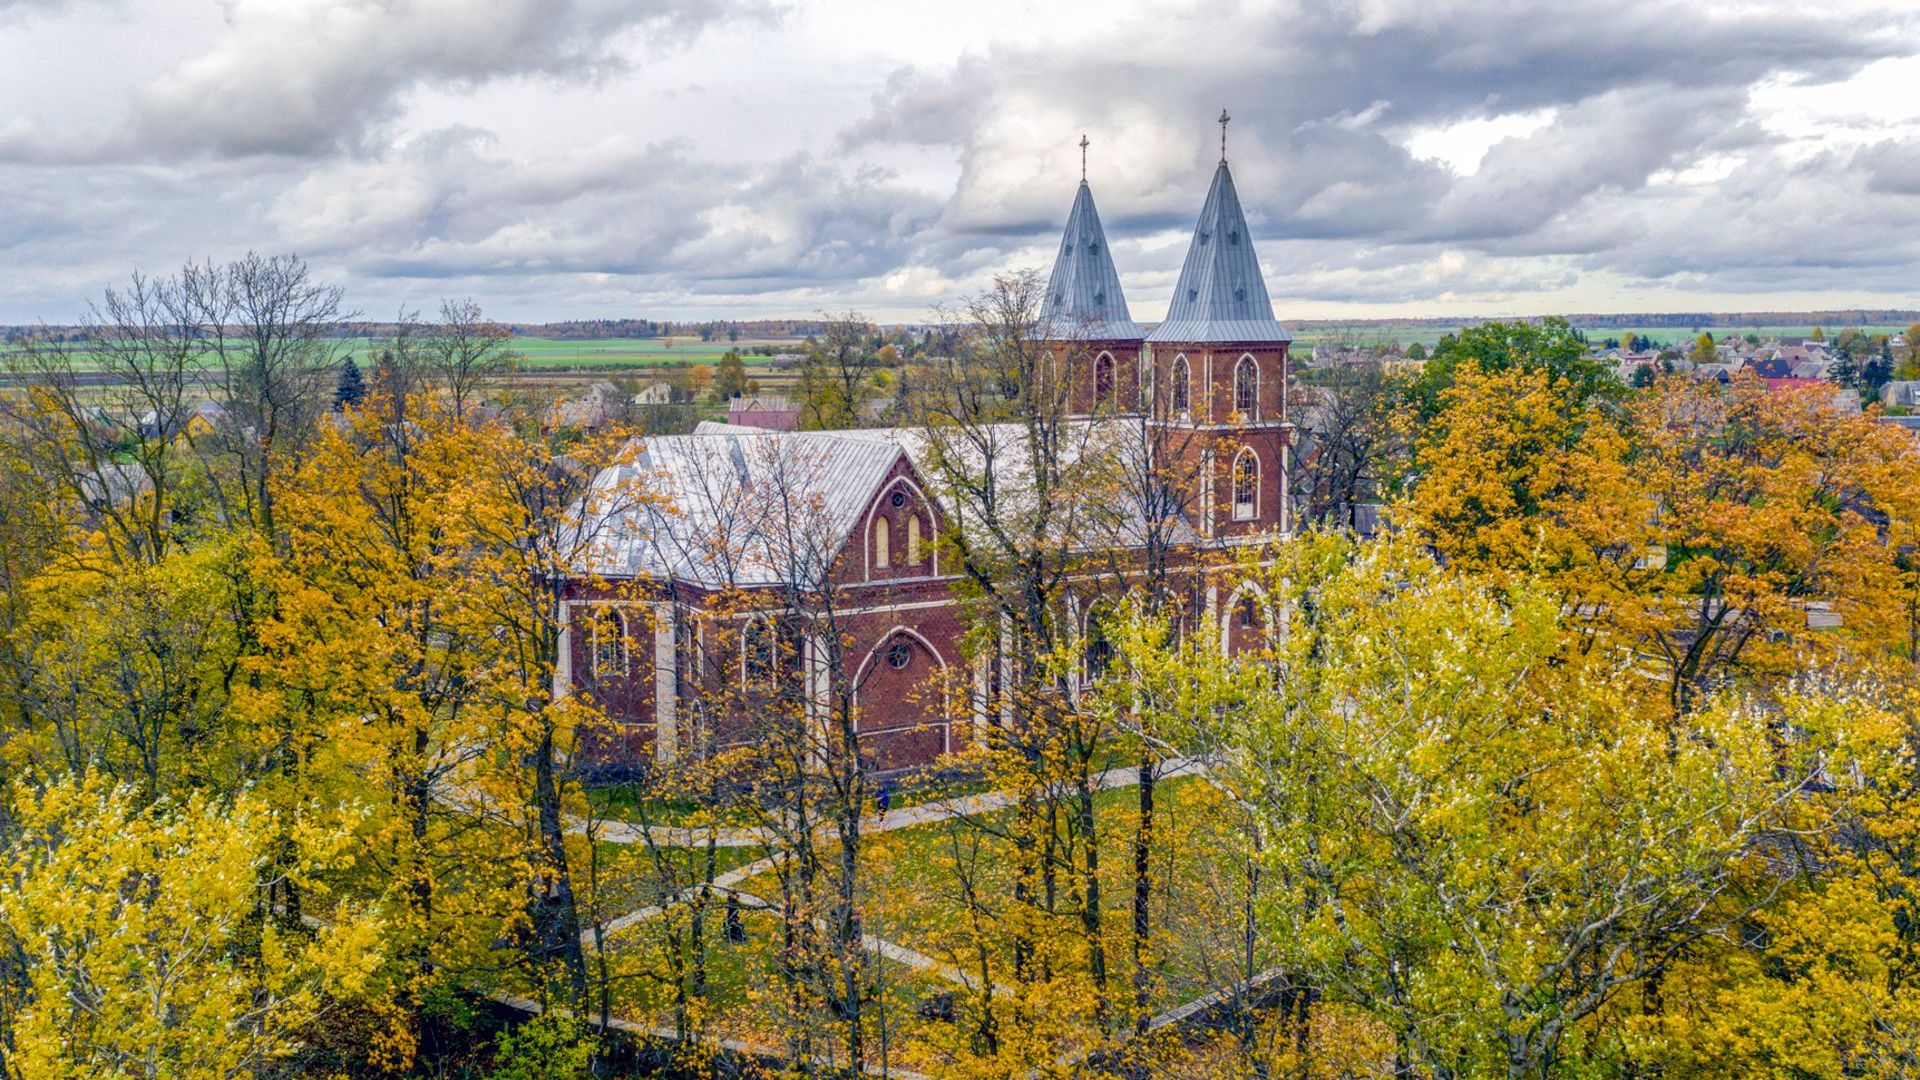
point(1094, 248)
point(1192, 295)
point(1246, 486)
point(1202, 237)
point(1240, 294)
point(1233, 237)
point(1100, 299)
point(1246, 388)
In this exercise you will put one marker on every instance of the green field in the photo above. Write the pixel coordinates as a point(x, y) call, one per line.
point(639, 352)
point(545, 354)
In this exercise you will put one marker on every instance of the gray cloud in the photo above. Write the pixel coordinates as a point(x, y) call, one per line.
point(311, 77)
point(301, 126)
point(1325, 97)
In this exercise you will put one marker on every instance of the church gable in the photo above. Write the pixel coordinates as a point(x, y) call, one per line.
point(897, 537)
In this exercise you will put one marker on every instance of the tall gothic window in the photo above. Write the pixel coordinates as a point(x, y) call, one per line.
point(1246, 485)
point(1246, 388)
point(1181, 388)
point(1102, 380)
point(913, 540)
point(760, 654)
point(882, 543)
point(610, 653)
point(1098, 646)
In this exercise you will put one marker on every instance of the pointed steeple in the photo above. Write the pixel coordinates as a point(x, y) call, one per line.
point(1221, 295)
point(1083, 295)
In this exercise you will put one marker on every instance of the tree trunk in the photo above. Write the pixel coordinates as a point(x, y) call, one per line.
point(556, 913)
point(1142, 896)
point(1090, 885)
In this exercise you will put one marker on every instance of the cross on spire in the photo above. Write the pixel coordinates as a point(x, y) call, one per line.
point(1224, 118)
point(1083, 157)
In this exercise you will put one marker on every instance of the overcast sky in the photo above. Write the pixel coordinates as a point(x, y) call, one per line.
point(694, 158)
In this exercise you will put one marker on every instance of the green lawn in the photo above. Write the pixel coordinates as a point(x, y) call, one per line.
point(915, 886)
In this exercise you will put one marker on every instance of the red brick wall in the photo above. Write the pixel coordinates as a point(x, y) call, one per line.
point(1083, 361)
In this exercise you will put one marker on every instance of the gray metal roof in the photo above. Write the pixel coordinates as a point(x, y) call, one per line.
point(731, 506)
point(738, 506)
point(1221, 295)
point(1084, 300)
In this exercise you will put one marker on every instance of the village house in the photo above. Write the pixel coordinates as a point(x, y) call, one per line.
point(601, 405)
point(771, 412)
point(683, 588)
point(1901, 394)
point(654, 393)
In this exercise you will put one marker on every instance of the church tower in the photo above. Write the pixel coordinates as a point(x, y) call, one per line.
point(1219, 369)
point(1084, 314)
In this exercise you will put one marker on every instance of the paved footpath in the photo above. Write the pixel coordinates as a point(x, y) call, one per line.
point(906, 817)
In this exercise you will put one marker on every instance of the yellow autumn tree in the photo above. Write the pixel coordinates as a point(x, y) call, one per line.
point(1824, 981)
point(1717, 532)
point(136, 943)
point(1476, 836)
point(385, 640)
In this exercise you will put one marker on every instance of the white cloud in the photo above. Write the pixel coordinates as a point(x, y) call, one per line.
point(1463, 144)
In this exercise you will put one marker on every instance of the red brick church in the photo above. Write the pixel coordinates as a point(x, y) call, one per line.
point(734, 517)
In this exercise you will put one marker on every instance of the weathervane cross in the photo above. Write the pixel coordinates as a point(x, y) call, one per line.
point(1224, 118)
point(1083, 156)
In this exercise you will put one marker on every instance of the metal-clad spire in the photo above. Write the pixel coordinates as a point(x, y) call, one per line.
point(1221, 295)
point(1083, 295)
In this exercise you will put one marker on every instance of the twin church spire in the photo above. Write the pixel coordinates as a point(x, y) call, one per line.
point(1083, 295)
point(1221, 295)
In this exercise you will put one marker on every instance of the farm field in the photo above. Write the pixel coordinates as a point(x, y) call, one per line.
point(640, 352)
point(610, 353)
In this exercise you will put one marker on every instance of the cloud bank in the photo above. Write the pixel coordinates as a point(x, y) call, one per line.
point(691, 158)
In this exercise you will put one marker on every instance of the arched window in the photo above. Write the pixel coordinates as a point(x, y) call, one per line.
point(882, 543)
point(1102, 380)
point(1181, 388)
point(1098, 646)
point(1246, 485)
point(610, 652)
point(760, 654)
point(1246, 388)
point(913, 540)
